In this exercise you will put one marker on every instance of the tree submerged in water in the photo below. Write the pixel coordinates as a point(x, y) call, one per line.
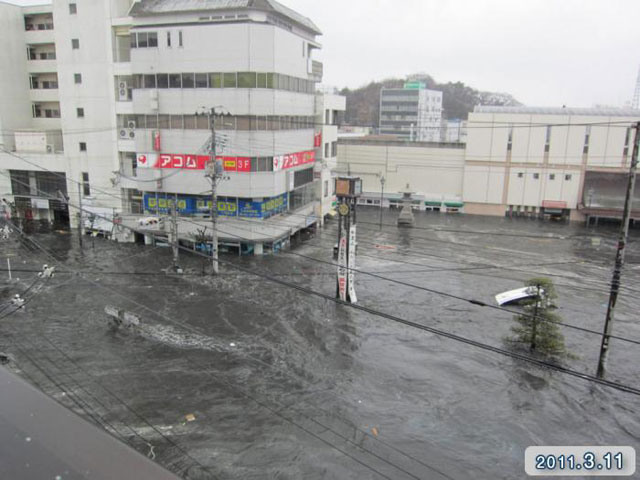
point(537, 326)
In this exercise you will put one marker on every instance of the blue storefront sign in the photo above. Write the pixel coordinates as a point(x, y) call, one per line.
point(227, 207)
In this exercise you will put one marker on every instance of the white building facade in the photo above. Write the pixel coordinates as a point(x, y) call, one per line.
point(534, 161)
point(107, 93)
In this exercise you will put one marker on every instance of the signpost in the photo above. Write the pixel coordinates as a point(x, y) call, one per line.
point(347, 190)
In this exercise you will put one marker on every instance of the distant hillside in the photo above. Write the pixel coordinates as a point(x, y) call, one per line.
point(363, 104)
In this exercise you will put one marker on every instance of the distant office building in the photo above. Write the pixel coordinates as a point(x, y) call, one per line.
point(411, 113)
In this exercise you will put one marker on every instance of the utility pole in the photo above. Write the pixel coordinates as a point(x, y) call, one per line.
point(622, 243)
point(80, 222)
point(174, 237)
point(382, 180)
point(214, 172)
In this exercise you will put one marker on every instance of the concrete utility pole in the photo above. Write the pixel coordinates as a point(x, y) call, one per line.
point(80, 222)
point(174, 237)
point(622, 243)
point(214, 172)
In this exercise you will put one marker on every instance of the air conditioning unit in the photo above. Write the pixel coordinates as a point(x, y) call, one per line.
point(127, 134)
point(49, 148)
point(131, 124)
point(123, 93)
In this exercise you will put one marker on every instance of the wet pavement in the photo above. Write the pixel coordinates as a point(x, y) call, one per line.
point(279, 384)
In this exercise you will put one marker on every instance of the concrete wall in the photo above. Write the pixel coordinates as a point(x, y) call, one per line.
point(526, 175)
point(433, 170)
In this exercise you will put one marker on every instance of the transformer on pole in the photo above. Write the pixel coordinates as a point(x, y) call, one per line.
point(348, 189)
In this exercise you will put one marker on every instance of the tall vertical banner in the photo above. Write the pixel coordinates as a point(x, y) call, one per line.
point(342, 264)
point(155, 137)
point(352, 264)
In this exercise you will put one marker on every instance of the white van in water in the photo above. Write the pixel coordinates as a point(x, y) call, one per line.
point(517, 294)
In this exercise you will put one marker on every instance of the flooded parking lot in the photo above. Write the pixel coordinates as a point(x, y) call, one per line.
point(241, 377)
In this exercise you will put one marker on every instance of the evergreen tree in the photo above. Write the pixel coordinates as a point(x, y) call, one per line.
point(536, 327)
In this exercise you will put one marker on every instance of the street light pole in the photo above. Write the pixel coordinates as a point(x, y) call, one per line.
point(382, 180)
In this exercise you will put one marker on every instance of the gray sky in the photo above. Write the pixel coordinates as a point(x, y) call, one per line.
point(544, 52)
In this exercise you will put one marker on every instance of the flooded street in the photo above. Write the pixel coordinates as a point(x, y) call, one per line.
point(239, 377)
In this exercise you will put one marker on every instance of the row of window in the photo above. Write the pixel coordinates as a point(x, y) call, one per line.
point(585, 147)
point(273, 81)
point(552, 176)
point(39, 112)
point(150, 39)
point(201, 122)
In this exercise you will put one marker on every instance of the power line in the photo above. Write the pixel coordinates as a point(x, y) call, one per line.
point(396, 319)
point(274, 411)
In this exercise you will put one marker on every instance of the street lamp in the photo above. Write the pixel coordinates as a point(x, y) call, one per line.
point(382, 180)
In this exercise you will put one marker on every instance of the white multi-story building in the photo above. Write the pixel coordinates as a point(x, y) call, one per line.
point(537, 161)
point(329, 107)
point(411, 113)
point(106, 94)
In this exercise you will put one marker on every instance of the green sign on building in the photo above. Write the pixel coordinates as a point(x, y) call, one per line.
point(415, 85)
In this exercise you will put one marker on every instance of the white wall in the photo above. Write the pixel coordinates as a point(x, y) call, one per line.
point(428, 170)
point(15, 107)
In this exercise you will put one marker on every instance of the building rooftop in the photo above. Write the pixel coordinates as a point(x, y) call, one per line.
point(158, 7)
point(597, 111)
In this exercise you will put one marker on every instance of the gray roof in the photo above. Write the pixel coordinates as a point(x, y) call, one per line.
point(143, 8)
point(595, 111)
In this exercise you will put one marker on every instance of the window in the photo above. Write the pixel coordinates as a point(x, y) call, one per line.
point(73, 9)
point(567, 177)
point(180, 38)
point(80, 112)
point(169, 39)
point(520, 174)
point(327, 117)
point(189, 122)
point(134, 40)
point(552, 176)
point(587, 134)
point(188, 80)
point(152, 121)
point(175, 80)
point(163, 121)
point(270, 80)
point(149, 81)
point(536, 176)
point(326, 150)
point(162, 80)
point(325, 190)
point(82, 146)
point(334, 149)
point(143, 40)
point(547, 140)
point(303, 48)
point(153, 39)
point(510, 138)
point(202, 80)
point(246, 80)
point(229, 80)
point(176, 122)
point(215, 80)
point(86, 190)
point(75, 43)
point(262, 80)
point(77, 78)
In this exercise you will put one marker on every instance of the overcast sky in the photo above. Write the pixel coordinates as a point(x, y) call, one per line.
point(544, 52)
